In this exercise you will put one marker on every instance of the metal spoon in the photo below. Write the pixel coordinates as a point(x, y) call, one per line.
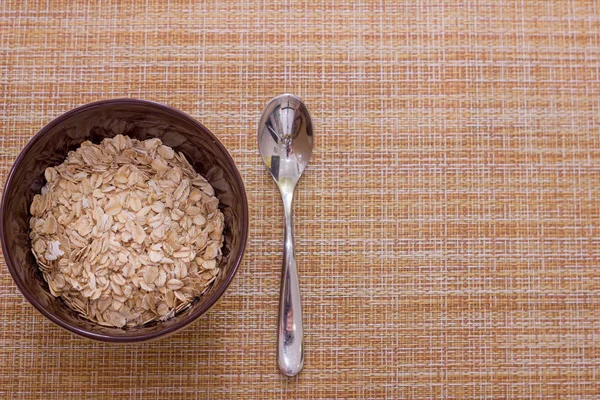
point(285, 140)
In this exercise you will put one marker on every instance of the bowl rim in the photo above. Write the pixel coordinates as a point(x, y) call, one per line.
point(135, 337)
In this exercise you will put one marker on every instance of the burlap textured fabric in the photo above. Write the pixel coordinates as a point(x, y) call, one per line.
point(447, 228)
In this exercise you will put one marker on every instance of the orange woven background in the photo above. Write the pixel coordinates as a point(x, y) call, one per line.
point(447, 228)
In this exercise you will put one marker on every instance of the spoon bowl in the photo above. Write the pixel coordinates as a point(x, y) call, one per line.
point(285, 140)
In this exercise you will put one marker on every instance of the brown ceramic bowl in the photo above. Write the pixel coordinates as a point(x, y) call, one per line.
point(96, 121)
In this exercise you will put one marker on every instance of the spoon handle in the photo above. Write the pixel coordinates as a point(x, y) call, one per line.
point(290, 335)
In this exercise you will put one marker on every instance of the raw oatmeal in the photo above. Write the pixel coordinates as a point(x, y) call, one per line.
point(126, 232)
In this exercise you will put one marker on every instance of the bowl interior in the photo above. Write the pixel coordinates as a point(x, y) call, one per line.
point(137, 119)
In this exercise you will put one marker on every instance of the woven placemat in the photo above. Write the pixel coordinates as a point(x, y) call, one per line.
point(447, 228)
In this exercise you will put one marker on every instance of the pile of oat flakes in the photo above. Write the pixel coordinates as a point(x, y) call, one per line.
point(126, 232)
